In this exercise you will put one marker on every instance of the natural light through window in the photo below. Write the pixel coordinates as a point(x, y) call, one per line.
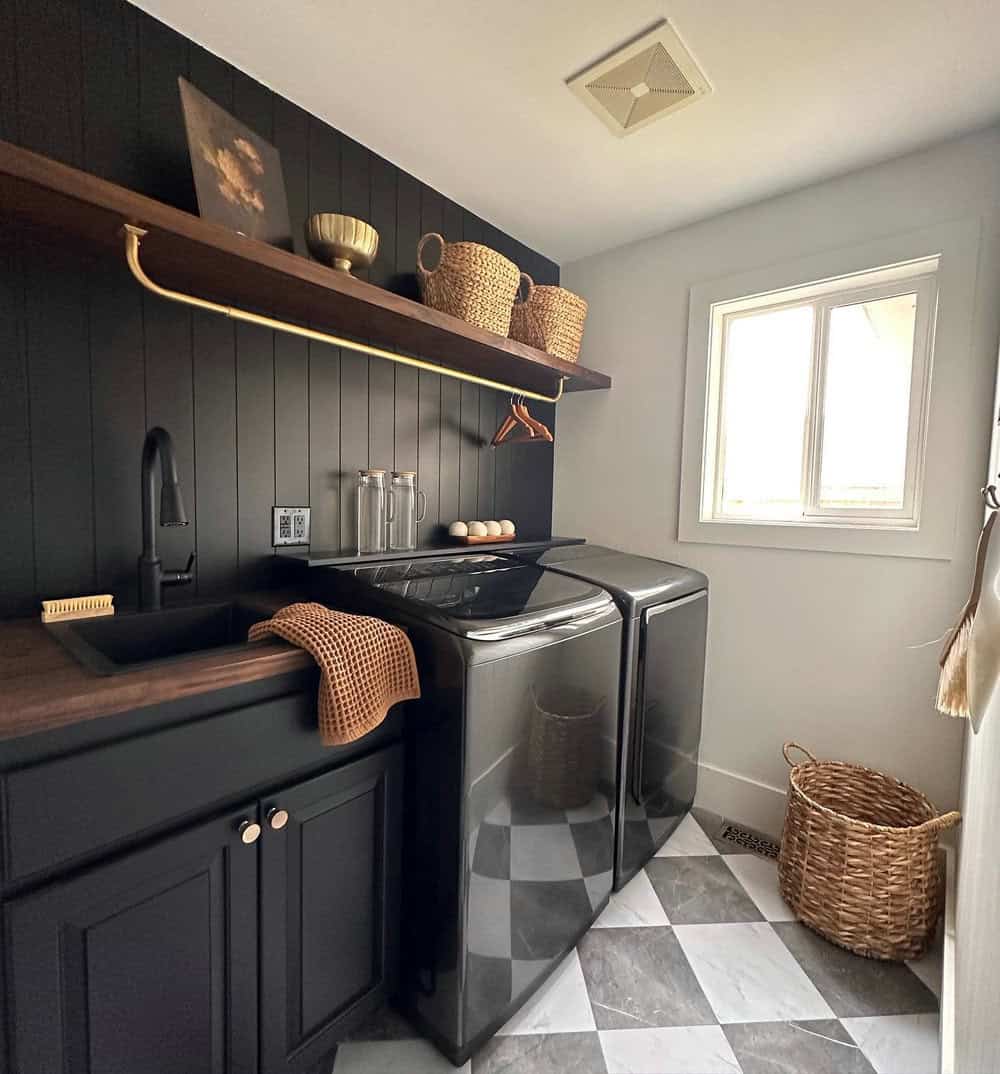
point(817, 401)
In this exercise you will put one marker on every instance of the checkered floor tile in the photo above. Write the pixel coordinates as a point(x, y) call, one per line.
point(697, 966)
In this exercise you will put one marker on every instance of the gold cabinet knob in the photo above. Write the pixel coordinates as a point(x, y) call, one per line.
point(277, 818)
point(249, 831)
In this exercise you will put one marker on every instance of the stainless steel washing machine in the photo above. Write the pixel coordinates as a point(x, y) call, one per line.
point(512, 764)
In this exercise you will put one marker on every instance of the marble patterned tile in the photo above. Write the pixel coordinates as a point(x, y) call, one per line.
point(711, 823)
point(856, 987)
point(543, 852)
point(489, 917)
point(748, 974)
point(491, 854)
point(674, 1050)
point(899, 1043)
point(561, 1005)
point(635, 906)
point(599, 888)
point(394, 1057)
point(930, 968)
point(543, 1054)
point(821, 1047)
point(700, 891)
point(688, 839)
point(595, 845)
point(639, 977)
point(546, 916)
point(759, 878)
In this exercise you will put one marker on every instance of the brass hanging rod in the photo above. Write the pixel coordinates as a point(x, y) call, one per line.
point(133, 239)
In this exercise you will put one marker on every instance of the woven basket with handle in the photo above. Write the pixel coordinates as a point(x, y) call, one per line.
point(471, 282)
point(549, 318)
point(859, 858)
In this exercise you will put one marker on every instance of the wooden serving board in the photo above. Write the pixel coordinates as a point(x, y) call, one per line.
point(501, 539)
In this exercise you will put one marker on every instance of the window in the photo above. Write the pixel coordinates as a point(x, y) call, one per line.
point(817, 399)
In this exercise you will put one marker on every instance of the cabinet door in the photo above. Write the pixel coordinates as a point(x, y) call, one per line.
point(147, 964)
point(329, 907)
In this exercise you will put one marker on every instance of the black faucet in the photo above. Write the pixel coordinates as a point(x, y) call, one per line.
point(152, 577)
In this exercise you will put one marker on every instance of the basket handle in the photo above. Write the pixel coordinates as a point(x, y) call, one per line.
point(940, 824)
point(795, 746)
point(420, 249)
point(531, 286)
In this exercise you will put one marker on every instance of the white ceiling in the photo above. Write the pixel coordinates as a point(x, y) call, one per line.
point(469, 96)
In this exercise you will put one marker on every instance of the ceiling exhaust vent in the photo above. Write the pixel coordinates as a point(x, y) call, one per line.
point(648, 79)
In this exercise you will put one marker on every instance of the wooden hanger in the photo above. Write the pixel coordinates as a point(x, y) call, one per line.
point(519, 427)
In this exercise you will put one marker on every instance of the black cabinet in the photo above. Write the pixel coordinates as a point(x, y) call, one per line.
point(146, 964)
point(329, 907)
point(151, 962)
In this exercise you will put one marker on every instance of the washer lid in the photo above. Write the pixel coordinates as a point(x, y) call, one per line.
point(486, 597)
point(635, 581)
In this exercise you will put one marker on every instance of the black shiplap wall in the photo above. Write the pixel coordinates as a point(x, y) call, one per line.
point(88, 362)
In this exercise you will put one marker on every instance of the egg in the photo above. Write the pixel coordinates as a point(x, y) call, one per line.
point(492, 529)
point(507, 527)
point(458, 529)
point(477, 529)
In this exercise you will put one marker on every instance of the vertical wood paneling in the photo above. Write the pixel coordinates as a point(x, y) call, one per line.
point(291, 138)
point(163, 165)
point(355, 401)
point(17, 559)
point(384, 194)
point(468, 458)
point(118, 384)
point(59, 399)
point(324, 445)
point(109, 39)
point(9, 125)
point(88, 361)
point(49, 81)
point(215, 489)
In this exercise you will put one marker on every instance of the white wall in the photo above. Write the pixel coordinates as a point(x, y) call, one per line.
point(814, 646)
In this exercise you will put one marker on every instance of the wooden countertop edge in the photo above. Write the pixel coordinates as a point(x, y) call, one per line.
point(85, 696)
point(43, 687)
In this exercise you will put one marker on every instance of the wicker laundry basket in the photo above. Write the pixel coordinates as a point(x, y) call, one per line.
point(549, 318)
point(564, 747)
point(471, 282)
point(859, 858)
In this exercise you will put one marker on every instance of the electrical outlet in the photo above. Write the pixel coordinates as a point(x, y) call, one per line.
point(290, 525)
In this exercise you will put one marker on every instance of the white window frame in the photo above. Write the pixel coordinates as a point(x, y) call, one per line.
point(946, 453)
point(915, 277)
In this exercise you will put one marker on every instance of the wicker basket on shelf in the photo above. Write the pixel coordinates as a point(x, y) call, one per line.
point(471, 282)
point(859, 858)
point(549, 318)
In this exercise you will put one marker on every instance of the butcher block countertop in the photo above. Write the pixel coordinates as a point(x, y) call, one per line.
point(43, 687)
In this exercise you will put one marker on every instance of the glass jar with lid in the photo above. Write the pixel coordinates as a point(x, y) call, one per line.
point(407, 508)
point(371, 511)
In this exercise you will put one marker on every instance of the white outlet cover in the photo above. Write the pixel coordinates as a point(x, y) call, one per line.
point(290, 525)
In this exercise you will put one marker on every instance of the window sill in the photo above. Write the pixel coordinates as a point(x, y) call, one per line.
point(860, 539)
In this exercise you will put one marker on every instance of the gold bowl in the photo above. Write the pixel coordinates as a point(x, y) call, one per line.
point(341, 241)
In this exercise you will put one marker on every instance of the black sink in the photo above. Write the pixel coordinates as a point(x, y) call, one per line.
point(119, 643)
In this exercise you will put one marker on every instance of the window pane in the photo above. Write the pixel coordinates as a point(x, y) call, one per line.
point(765, 395)
point(866, 407)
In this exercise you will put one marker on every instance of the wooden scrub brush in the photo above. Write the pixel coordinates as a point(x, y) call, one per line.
point(953, 685)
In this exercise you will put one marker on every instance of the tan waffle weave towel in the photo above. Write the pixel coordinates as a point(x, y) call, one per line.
point(367, 666)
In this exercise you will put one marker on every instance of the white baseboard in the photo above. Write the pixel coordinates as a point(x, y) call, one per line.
point(742, 799)
point(947, 1025)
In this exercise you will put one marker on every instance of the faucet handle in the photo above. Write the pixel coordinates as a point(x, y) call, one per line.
point(190, 563)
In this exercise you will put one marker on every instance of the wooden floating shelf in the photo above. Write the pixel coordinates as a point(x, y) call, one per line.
point(185, 253)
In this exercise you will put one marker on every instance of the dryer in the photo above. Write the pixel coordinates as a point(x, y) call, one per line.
point(665, 612)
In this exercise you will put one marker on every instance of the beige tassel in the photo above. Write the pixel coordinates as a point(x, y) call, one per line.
point(953, 691)
point(953, 683)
